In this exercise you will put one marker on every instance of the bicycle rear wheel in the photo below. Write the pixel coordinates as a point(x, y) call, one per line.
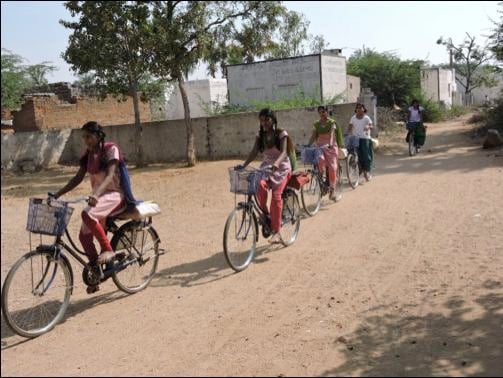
point(140, 246)
point(240, 238)
point(352, 170)
point(36, 293)
point(290, 220)
point(311, 195)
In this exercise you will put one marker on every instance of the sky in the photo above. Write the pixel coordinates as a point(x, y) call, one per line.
point(408, 29)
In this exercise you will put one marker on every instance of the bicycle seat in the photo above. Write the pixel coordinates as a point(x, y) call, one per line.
point(141, 211)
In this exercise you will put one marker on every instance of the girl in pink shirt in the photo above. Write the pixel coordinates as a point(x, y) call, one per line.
point(101, 161)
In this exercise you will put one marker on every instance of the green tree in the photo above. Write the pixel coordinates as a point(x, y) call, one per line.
point(37, 73)
point(318, 44)
point(469, 59)
point(496, 38)
point(112, 39)
point(391, 79)
point(188, 32)
point(246, 41)
point(291, 36)
point(87, 80)
point(14, 80)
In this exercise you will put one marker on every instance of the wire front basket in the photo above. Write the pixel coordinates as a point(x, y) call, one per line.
point(48, 219)
point(244, 181)
point(311, 155)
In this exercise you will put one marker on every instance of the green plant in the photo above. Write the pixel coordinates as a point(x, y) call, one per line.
point(432, 110)
point(300, 100)
point(456, 111)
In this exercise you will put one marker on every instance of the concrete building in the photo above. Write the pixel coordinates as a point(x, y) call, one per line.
point(322, 76)
point(203, 95)
point(353, 88)
point(439, 84)
point(482, 95)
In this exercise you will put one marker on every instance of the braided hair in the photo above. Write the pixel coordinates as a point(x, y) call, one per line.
point(95, 128)
point(268, 113)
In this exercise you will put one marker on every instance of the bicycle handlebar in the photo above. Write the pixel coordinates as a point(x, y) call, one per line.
point(51, 197)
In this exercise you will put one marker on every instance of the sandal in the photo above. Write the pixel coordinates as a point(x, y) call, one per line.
point(92, 289)
point(275, 239)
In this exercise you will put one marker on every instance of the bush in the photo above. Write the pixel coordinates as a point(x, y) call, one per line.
point(432, 110)
point(478, 117)
point(456, 111)
point(388, 117)
point(495, 115)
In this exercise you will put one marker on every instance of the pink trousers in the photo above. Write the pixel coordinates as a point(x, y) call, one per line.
point(93, 224)
point(330, 157)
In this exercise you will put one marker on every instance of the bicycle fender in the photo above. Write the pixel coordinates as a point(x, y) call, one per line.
point(256, 227)
point(121, 229)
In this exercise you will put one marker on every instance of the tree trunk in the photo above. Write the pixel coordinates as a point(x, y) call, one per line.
point(191, 148)
point(138, 127)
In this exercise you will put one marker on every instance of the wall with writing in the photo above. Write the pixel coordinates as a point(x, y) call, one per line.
point(274, 80)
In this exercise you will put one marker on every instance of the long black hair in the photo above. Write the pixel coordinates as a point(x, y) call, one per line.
point(95, 128)
point(268, 113)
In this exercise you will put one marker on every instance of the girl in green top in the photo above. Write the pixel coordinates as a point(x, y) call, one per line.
point(324, 133)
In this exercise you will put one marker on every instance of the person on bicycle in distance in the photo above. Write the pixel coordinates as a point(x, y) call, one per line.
point(359, 130)
point(324, 132)
point(275, 145)
point(415, 126)
point(101, 161)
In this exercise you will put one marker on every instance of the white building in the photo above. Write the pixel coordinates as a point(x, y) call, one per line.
point(439, 84)
point(322, 76)
point(203, 96)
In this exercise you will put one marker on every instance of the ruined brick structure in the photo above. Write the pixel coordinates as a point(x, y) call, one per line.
point(48, 111)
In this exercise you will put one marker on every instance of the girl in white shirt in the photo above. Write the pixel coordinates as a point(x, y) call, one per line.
point(415, 124)
point(359, 129)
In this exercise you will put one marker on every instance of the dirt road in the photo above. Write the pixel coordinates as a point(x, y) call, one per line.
point(403, 277)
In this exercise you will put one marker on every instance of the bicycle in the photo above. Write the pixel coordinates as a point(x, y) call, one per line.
point(352, 164)
point(241, 228)
point(412, 136)
point(36, 292)
point(318, 186)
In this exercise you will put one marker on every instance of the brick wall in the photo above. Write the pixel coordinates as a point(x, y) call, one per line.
point(47, 112)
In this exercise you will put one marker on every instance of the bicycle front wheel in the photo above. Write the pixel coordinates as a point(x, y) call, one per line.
point(290, 220)
point(240, 238)
point(36, 293)
point(140, 246)
point(338, 183)
point(310, 194)
point(412, 144)
point(353, 171)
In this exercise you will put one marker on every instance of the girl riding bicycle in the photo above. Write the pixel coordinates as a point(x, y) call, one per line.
point(359, 138)
point(275, 145)
point(415, 127)
point(324, 135)
point(101, 160)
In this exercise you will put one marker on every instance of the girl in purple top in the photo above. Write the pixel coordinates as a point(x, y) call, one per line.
point(275, 145)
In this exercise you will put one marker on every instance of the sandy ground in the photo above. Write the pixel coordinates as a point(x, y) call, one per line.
point(403, 277)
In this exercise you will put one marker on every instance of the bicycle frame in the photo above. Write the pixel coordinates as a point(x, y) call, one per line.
point(324, 185)
point(59, 245)
point(251, 206)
